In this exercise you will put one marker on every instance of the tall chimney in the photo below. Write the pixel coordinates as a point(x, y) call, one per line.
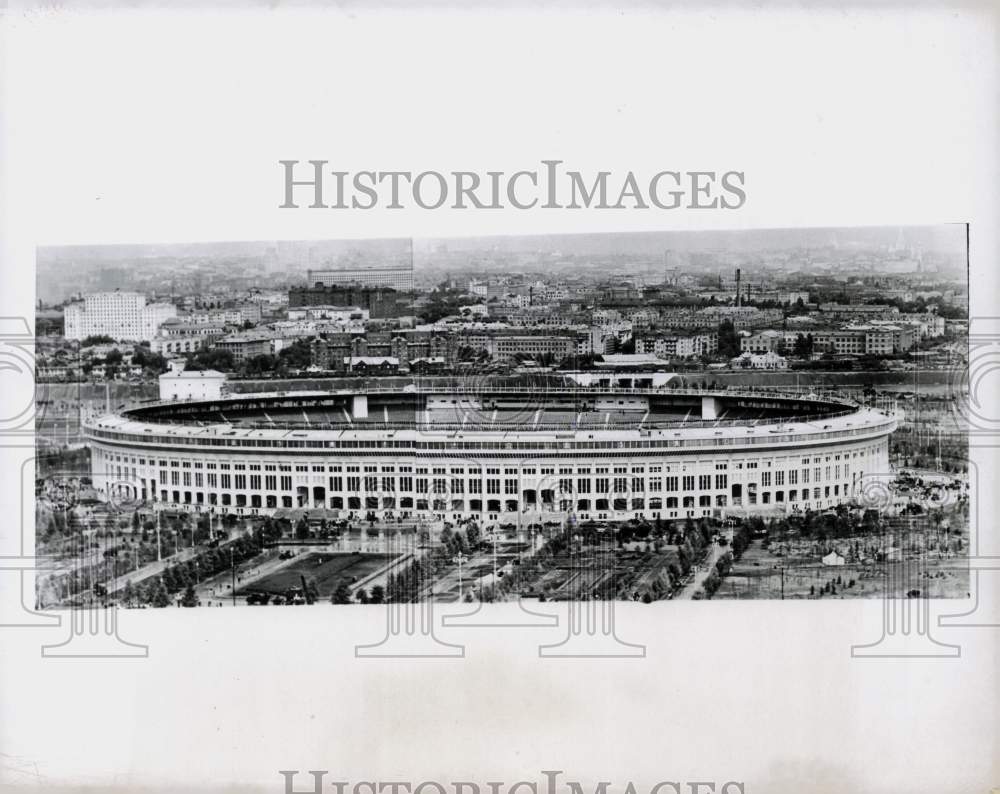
point(738, 287)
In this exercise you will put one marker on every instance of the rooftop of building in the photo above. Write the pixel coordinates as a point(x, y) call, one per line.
point(197, 374)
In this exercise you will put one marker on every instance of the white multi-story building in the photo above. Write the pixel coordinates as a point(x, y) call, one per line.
point(769, 360)
point(338, 313)
point(762, 341)
point(120, 315)
point(930, 324)
point(270, 298)
point(180, 344)
point(610, 335)
point(673, 346)
point(845, 341)
point(179, 384)
point(666, 346)
point(236, 315)
point(399, 277)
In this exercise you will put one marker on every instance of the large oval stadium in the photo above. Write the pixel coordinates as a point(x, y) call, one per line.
point(508, 453)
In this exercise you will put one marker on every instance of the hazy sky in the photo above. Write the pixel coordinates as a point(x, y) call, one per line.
point(150, 126)
point(945, 238)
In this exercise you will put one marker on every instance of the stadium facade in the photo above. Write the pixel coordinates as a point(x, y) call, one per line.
point(508, 454)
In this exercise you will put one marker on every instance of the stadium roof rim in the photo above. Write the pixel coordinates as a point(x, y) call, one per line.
point(806, 414)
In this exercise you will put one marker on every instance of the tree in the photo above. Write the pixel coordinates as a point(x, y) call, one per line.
point(684, 556)
point(270, 530)
point(181, 578)
point(803, 345)
point(729, 340)
point(688, 528)
point(190, 599)
point(260, 364)
point(296, 356)
point(210, 358)
point(362, 596)
point(302, 529)
point(128, 593)
point(705, 530)
point(378, 594)
point(158, 595)
point(154, 363)
point(342, 595)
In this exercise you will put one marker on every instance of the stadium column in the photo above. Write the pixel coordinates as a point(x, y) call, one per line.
point(359, 406)
point(710, 407)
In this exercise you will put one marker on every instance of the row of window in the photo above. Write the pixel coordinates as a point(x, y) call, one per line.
point(371, 482)
point(618, 504)
point(638, 483)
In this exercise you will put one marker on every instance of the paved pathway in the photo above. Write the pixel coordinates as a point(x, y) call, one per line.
point(705, 567)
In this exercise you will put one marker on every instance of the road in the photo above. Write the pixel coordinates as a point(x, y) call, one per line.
point(705, 567)
point(152, 569)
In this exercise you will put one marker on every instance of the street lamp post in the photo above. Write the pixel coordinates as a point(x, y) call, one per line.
point(494, 565)
point(460, 558)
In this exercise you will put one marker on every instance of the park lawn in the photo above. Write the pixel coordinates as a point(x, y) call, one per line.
point(328, 569)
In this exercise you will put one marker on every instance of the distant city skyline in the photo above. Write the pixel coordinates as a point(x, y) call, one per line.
point(947, 237)
point(66, 271)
